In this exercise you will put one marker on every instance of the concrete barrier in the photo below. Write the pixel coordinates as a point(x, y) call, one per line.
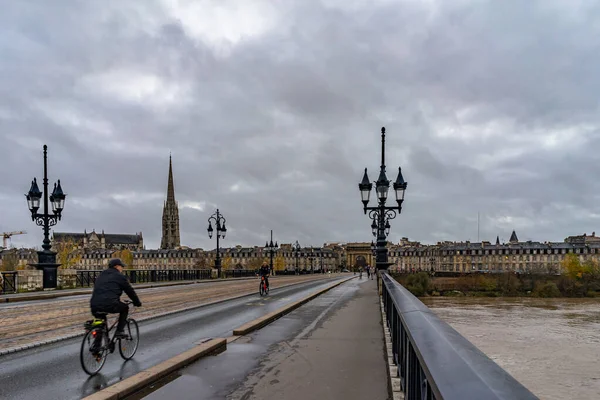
point(145, 378)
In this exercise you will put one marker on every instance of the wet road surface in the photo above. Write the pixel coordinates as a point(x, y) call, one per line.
point(329, 348)
point(54, 371)
point(27, 324)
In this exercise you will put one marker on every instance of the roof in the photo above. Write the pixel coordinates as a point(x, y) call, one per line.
point(121, 239)
point(109, 238)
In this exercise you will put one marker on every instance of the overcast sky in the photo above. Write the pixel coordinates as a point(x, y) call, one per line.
point(272, 109)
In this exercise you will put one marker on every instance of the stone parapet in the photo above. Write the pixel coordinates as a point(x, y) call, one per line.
point(67, 279)
point(29, 280)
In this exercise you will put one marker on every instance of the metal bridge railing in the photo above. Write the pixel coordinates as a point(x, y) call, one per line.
point(87, 278)
point(436, 362)
point(238, 273)
point(8, 282)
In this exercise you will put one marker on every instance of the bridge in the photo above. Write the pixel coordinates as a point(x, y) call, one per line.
point(315, 336)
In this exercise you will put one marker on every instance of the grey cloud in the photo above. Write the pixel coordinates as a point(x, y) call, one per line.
point(292, 116)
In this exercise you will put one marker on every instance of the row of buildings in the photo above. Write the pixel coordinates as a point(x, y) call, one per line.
point(92, 251)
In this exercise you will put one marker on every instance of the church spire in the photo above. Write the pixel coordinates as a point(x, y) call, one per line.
point(170, 185)
point(170, 220)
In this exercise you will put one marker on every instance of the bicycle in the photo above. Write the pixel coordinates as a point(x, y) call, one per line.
point(95, 350)
point(263, 289)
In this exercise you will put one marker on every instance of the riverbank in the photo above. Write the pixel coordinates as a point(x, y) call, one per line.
point(507, 284)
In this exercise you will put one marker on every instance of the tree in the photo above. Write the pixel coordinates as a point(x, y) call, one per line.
point(226, 263)
point(200, 263)
point(10, 260)
point(591, 269)
point(572, 266)
point(67, 254)
point(254, 263)
point(279, 263)
point(126, 256)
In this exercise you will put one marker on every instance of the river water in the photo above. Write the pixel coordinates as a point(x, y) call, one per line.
point(552, 346)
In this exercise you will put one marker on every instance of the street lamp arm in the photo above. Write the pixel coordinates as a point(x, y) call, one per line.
point(52, 220)
point(377, 208)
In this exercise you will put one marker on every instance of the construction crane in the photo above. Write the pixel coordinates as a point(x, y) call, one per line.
point(7, 235)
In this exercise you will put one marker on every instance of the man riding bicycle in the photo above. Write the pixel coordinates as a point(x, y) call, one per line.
point(106, 298)
point(265, 271)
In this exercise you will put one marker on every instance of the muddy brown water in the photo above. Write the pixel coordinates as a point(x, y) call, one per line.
point(552, 346)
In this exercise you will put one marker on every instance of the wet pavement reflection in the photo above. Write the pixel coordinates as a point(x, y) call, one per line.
point(552, 346)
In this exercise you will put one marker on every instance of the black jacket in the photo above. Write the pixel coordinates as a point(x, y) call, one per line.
point(108, 288)
point(264, 270)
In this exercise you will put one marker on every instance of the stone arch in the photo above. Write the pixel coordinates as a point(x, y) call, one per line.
point(360, 261)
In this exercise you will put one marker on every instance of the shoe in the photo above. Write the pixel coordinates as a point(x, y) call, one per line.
point(121, 335)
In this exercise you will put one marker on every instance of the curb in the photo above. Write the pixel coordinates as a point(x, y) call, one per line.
point(393, 373)
point(270, 317)
point(142, 379)
point(148, 318)
point(33, 297)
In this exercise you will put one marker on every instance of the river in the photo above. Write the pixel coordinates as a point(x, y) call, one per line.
point(552, 346)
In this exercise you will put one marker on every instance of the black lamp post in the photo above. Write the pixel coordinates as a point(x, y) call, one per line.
point(219, 221)
point(321, 253)
point(46, 257)
point(271, 249)
point(382, 214)
point(296, 249)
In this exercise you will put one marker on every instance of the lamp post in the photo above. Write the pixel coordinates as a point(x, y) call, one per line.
point(296, 249)
point(321, 256)
point(219, 221)
point(271, 249)
point(311, 257)
point(382, 214)
point(46, 257)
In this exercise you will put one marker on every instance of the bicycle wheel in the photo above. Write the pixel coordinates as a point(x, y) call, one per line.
point(93, 362)
point(261, 289)
point(266, 290)
point(128, 347)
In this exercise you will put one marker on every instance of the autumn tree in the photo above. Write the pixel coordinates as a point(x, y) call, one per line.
point(279, 263)
point(126, 256)
point(67, 254)
point(227, 263)
point(200, 263)
point(572, 266)
point(10, 260)
point(254, 263)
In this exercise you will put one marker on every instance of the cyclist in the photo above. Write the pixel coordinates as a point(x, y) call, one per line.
point(265, 271)
point(106, 297)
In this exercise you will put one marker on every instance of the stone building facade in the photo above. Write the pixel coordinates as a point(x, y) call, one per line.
point(516, 256)
point(170, 219)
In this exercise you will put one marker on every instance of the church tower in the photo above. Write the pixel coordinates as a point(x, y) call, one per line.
point(170, 219)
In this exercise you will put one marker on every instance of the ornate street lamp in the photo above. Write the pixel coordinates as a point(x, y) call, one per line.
point(271, 249)
point(46, 257)
point(382, 214)
point(296, 250)
point(219, 221)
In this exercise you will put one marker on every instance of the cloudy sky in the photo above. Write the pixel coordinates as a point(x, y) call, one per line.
point(272, 109)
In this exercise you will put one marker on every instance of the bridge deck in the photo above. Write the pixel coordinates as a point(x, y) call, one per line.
point(330, 348)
